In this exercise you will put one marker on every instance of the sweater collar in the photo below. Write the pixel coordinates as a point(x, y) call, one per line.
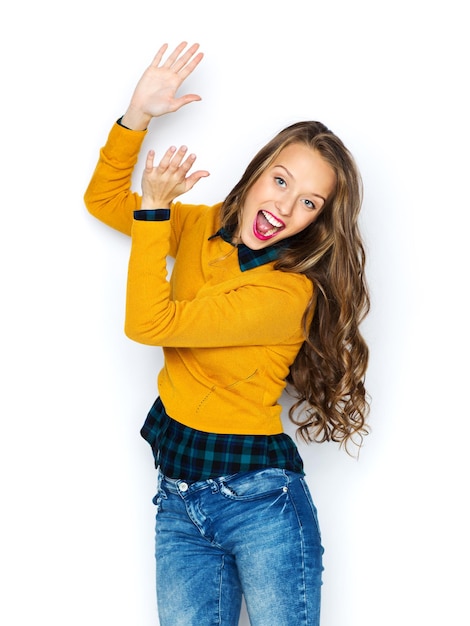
point(248, 258)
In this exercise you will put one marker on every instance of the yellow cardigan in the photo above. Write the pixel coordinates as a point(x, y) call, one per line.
point(229, 337)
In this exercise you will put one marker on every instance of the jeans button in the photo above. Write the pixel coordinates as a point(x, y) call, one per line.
point(183, 487)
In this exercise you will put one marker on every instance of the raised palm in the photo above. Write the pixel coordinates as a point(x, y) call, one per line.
point(155, 93)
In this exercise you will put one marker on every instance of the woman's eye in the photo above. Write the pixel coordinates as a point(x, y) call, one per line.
point(280, 181)
point(309, 204)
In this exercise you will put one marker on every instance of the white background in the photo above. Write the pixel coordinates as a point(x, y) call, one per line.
point(391, 79)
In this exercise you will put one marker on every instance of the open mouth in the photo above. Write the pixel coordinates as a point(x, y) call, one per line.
point(266, 225)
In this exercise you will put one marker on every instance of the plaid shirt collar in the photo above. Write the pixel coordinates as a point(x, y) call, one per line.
point(248, 258)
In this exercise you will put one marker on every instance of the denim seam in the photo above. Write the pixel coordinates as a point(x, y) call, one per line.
point(219, 616)
point(302, 542)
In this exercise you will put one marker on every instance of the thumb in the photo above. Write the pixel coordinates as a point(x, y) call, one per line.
point(186, 99)
point(195, 177)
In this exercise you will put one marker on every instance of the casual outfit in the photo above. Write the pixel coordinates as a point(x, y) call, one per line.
point(233, 506)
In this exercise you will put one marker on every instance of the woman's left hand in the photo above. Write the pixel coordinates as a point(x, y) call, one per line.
point(161, 184)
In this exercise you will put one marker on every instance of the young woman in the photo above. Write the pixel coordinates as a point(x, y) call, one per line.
point(267, 290)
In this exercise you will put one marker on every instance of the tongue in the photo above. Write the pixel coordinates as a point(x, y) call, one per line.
point(262, 224)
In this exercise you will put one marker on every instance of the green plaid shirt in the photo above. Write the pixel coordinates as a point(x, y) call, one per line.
point(183, 452)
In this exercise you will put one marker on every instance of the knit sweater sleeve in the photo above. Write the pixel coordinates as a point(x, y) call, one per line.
point(265, 308)
point(109, 197)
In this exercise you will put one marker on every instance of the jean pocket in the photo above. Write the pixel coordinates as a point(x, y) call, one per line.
point(254, 485)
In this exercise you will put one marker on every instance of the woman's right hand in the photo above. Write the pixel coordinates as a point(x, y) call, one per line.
point(155, 93)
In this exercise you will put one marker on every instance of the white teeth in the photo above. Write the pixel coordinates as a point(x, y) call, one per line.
point(272, 220)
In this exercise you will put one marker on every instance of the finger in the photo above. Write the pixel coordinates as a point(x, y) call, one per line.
point(159, 56)
point(187, 58)
point(186, 165)
point(177, 103)
point(186, 99)
point(175, 54)
point(195, 177)
point(166, 158)
point(189, 67)
point(178, 160)
point(149, 160)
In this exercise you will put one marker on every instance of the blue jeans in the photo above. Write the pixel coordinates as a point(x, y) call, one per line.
point(253, 533)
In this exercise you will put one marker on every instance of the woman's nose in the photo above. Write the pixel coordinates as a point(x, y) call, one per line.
point(285, 206)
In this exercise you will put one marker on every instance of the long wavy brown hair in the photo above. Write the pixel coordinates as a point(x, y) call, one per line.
point(327, 377)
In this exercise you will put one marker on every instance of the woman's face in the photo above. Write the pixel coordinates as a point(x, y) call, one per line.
point(287, 197)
